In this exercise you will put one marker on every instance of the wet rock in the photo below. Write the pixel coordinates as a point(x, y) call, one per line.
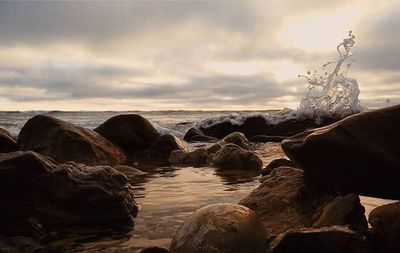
point(287, 201)
point(129, 171)
point(345, 156)
point(385, 222)
point(221, 228)
point(57, 197)
point(267, 138)
point(238, 139)
point(7, 142)
point(129, 131)
point(334, 239)
point(232, 156)
point(197, 157)
point(154, 250)
point(65, 142)
point(161, 149)
point(195, 135)
point(280, 162)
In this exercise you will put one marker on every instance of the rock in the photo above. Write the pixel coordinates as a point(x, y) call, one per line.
point(7, 142)
point(64, 142)
point(334, 239)
point(194, 134)
point(220, 228)
point(232, 157)
point(203, 138)
point(161, 149)
point(129, 131)
point(154, 250)
point(280, 162)
point(61, 196)
point(267, 138)
point(129, 171)
point(346, 156)
point(385, 222)
point(238, 139)
point(197, 157)
point(287, 201)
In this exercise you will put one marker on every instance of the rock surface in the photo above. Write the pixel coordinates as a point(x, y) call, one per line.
point(162, 147)
point(267, 138)
point(286, 201)
point(221, 228)
point(385, 221)
point(195, 135)
point(231, 157)
point(280, 162)
point(196, 157)
point(236, 138)
point(359, 154)
point(57, 197)
point(129, 131)
point(320, 240)
point(64, 142)
point(7, 142)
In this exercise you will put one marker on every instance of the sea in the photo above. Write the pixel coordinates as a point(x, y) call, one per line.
point(166, 195)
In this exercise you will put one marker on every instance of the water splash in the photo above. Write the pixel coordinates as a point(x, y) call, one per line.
point(332, 94)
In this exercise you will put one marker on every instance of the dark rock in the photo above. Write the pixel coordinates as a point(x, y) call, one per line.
point(194, 134)
point(232, 156)
point(203, 138)
point(7, 142)
point(154, 250)
point(129, 171)
point(286, 201)
point(161, 149)
point(221, 228)
point(58, 197)
point(346, 156)
point(238, 139)
point(275, 164)
point(267, 138)
point(334, 239)
point(385, 222)
point(197, 157)
point(64, 142)
point(129, 131)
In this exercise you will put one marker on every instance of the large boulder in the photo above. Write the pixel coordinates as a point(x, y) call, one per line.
point(221, 228)
point(61, 196)
point(359, 154)
point(7, 142)
point(286, 201)
point(385, 222)
point(231, 157)
point(129, 131)
point(64, 142)
point(334, 239)
point(238, 139)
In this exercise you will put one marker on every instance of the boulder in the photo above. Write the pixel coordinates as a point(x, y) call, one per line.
point(287, 201)
point(267, 138)
point(7, 142)
point(64, 142)
point(334, 239)
point(195, 135)
point(61, 196)
point(197, 157)
point(221, 228)
point(385, 222)
point(238, 139)
point(280, 162)
point(129, 131)
point(347, 156)
point(162, 147)
point(231, 157)
point(154, 250)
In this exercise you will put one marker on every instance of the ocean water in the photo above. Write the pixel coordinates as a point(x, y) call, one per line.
point(167, 195)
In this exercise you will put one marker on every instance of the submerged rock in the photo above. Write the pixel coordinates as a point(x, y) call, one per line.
point(359, 154)
point(129, 131)
point(232, 156)
point(57, 197)
point(7, 142)
point(280, 162)
point(221, 228)
point(385, 222)
point(129, 171)
point(64, 142)
point(334, 239)
point(286, 201)
point(197, 157)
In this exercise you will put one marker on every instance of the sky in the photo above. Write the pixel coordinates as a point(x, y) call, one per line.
point(189, 55)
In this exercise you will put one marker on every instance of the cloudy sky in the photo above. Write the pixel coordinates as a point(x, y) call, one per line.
point(228, 55)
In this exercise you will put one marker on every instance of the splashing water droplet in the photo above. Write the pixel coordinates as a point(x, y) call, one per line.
point(334, 95)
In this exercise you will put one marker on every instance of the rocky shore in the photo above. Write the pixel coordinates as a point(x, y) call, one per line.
point(57, 178)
